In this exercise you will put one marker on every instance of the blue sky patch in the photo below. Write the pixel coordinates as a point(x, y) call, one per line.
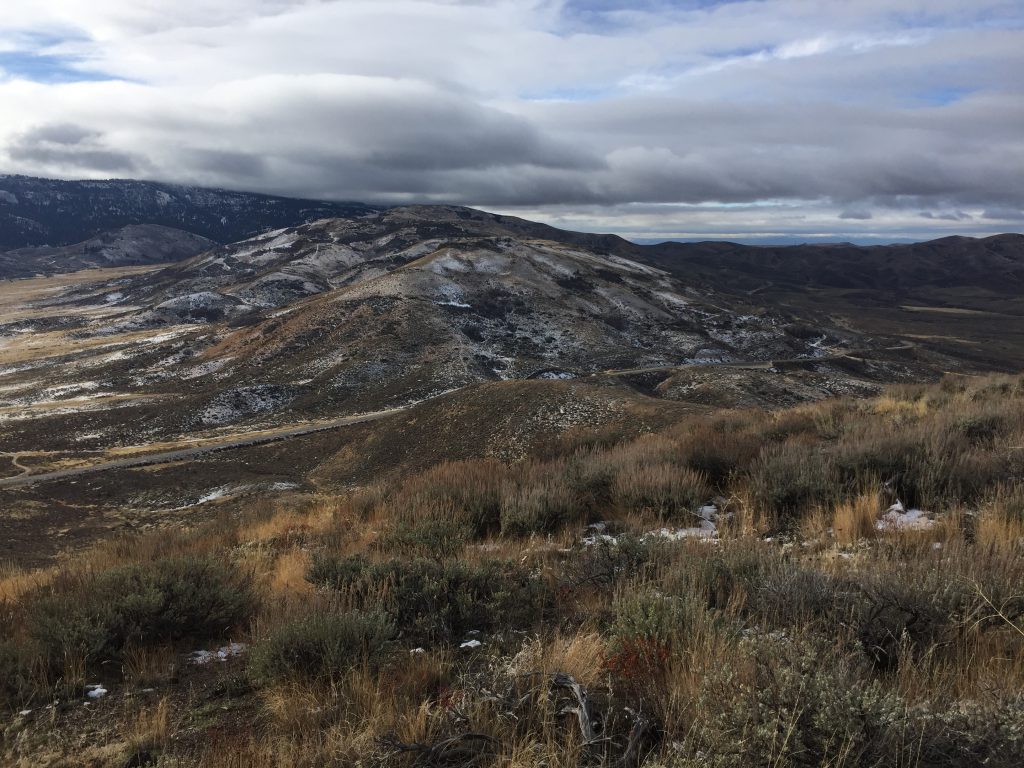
point(41, 68)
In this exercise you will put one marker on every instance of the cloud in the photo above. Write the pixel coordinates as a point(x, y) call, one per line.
point(1004, 213)
point(747, 113)
point(856, 215)
point(947, 215)
point(66, 147)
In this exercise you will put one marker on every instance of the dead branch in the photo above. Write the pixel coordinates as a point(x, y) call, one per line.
point(466, 750)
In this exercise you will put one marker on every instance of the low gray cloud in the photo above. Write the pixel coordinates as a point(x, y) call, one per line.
point(855, 215)
point(66, 147)
point(946, 215)
point(1004, 213)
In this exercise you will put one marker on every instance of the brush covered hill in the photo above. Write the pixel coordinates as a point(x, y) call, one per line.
point(132, 245)
point(346, 315)
point(831, 584)
point(38, 212)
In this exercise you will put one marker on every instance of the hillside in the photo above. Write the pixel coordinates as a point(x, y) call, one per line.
point(427, 595)
point(133, 245)
point(48, 212)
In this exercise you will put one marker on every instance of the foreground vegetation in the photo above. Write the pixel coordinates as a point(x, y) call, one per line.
point(571, 609)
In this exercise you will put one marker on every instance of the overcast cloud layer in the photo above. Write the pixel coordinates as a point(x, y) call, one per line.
point(850, 119)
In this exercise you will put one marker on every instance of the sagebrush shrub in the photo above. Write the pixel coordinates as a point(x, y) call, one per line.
point(538, 500)
point(794, 702)
point(98, 615)
point(438, 602)
point(322, 647)
point(464, 492)
point(437, 539)
point(790, 479)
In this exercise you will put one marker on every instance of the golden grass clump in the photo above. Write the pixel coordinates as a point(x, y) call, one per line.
point(854, 520)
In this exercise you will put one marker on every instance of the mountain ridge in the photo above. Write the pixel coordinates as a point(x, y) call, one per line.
point(55, 213)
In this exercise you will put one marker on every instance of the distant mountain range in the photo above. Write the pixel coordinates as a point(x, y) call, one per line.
point(47, 212)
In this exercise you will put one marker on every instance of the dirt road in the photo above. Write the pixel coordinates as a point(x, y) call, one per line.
point(181, 454)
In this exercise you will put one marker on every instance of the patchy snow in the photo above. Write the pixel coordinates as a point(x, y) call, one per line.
point(95, 691)
point(220, 493)
point(112, 357)
point(204, 369)
point(113, 298)
point(471, 644)
point(898, 518)
point(706, 530)
point(222, 654)
point(672, 298)
point(8, 197)
point(458, 304)
point(55, 393)
point(235, 404)
point(160, 338)
point(557, 375)
point(448, 263)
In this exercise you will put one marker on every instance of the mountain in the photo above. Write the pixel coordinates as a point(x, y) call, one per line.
point(992, 263)
point(133, 245)
point(348, 315)
point(433, 332)
point(37, 212)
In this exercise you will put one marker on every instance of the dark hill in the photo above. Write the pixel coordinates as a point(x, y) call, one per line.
point(37, 212)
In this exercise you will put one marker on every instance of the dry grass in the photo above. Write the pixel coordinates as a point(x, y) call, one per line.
point(854, 520)
point(764, 645)
point(15, 581)
point(145, 667)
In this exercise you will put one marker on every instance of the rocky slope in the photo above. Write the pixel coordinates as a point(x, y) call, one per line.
point(349, 315)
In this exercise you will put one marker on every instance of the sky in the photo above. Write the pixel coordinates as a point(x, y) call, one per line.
point(752, 120)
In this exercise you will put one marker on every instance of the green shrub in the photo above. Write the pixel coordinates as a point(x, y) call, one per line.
point(16, 685)
point(791, 702)
point(663, 623)
point(98, 616)
point(724, 577)
point(971, 733)
point(437, 539)
point(790, 479)
point(437, 602)
point(603, 562)
point(537, 505)
point(650, 632)
point(322, 647)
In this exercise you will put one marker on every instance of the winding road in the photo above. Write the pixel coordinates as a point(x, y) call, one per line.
point(184, 454)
